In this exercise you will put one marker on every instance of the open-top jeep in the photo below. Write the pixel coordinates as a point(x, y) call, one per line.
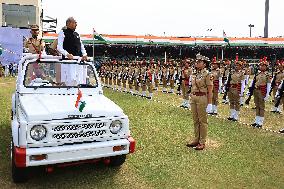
point(60, 116)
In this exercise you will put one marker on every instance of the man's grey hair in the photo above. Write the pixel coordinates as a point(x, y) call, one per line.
point(70, 19)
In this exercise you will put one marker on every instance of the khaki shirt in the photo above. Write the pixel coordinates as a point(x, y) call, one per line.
point(247, 71)
point(216, 74)
point(237, 77)
point(35, 46)
point(279, 78)
point(262, 79)
point(201, 80)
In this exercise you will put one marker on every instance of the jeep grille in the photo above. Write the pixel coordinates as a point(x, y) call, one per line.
point(79, 131)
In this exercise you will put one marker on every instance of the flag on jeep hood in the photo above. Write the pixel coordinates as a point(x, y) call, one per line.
point(79, 103)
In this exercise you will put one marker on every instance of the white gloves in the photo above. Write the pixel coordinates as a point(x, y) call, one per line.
point(267, 91)
point(209, 108)
point(220, 85)
point(243, 86)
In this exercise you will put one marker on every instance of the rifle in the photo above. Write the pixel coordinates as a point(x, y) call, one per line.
point(228, 84)
point(252, 87)
point(280, 94)
point(273, 83)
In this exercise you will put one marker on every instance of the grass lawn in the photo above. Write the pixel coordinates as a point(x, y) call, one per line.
point(236, 156)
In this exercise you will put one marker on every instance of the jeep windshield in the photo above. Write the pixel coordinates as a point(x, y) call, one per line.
point(60, 75)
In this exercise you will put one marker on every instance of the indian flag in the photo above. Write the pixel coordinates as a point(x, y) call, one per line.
point(79, 103)
point(225, 38)
point(98, 36)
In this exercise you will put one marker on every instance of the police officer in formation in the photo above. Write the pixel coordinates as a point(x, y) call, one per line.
point(201, 98)
point(142, 77)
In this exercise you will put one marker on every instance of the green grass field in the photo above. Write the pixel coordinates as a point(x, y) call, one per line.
point(236, 155)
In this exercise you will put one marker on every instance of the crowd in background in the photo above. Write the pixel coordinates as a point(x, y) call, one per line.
point(8, 70)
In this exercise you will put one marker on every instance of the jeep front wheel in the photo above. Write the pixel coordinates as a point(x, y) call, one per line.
point(116, 161)
point(19, 174)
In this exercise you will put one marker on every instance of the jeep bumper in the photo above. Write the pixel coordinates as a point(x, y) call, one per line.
point(72, 153)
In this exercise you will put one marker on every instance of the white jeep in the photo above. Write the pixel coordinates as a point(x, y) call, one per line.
point(61, 117)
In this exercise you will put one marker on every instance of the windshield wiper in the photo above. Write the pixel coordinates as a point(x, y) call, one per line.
point(42, 85)
point(85, 85)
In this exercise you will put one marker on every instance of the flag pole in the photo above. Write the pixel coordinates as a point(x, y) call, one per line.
point(93, 46)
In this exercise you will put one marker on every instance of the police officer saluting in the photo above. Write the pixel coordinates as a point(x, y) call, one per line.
point(201, 97)
point(69, 42)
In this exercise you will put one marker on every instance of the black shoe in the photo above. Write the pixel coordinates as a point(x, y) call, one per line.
point(281, 130)
point(253, 125)
point(273, 111)
point(253, 108)
point(234, 119)
point(242, 105)
point(230, 118)
point(215, 113)
point(192, 144)
point(258, 126)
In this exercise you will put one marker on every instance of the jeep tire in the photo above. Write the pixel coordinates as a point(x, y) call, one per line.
point(116, 161)
point(19, 174)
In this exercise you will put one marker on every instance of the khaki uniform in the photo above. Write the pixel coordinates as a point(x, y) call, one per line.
point(200, 82)
point(130, 79)
point(124, 78)
point(143, 81)
point(157, 77)
point(260, 92)
point(137, 79)
point(185, 83)
point(149, 80)
point(279, 77)
point(172, 79)
point(164, 78)
point(119, 77)
point(110, 75)
point(216, 75)
point(102, 75)
point(35, 46)
point(235, 89)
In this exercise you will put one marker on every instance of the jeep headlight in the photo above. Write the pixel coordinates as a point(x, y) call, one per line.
point(38, 132)
point(115, 126)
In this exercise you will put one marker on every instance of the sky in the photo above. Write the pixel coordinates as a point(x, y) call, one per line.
point(168, 17)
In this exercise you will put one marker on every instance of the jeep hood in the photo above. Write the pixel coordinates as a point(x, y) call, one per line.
point(39, 107)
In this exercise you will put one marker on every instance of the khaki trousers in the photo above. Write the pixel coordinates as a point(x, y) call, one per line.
point(118, 82)
point(259, 103)
point(130, 84)
point(164, 82)
point(199, 115)
point(110, 81)
point(234, 99)
point(156, 83)
point(124, 83)
point(150, 87)
point(172, 84)
point(215, 97)
point(184, 89)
